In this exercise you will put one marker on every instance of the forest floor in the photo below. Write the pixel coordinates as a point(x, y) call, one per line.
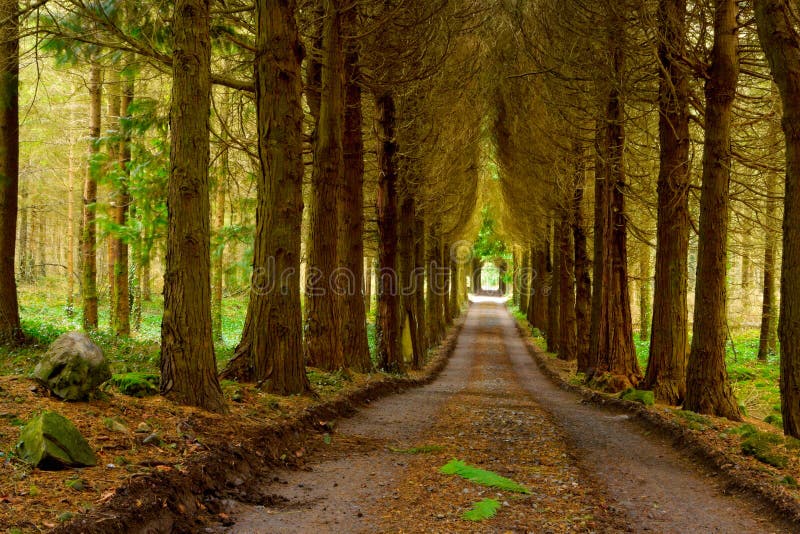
point(588, 469)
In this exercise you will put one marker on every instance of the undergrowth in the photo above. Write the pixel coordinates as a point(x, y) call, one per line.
point(482, 477)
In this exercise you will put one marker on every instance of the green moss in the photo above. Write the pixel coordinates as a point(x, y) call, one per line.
point(760, 445)
point(638, 395)
point(746, 430)
point(774, 420)
point(695, 421)
point(789, 480)
point(136, 384)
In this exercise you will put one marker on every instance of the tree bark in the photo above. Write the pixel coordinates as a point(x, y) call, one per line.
point(188, 366)
point(89, 234)
point(666, 367)
point(708, 389)
point(583, 283)
point(271, 349)
point(388, 315)
point(323, 338)
point(406, 276)
point(419, 288)
point(10, 330)
point(566, 292)
point(435, 286)
point(614, 347)
point(219, 255)
point(552, 293)
point(351, 223)
point(113, 143)
point(121, 289)
point(782, 48)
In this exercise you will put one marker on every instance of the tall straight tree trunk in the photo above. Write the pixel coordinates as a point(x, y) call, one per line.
point(601, 193)
point(708, 389)
point(540, 290)
point(566, 291)
point(455, 288)
point(218, 277)
point(666, 366)
point(435, 286)
point(351, 223)
point(89, 234)
point(406, 278)
point(188, 366)
point(113, 112)
point(583, 283)
point(552, 289)
point(444, 262)
point(388, 315)
point(121, 289)
point(778, 34)
point(645, 287)
point(322, 323)
point(767, 337)
point(271, 349)
point(10, 330)
point(614, 347)
point(476, 275)
point(419, 287)
point(523, 278)
point(71, 224)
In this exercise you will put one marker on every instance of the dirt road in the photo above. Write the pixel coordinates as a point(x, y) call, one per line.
point(589, 470)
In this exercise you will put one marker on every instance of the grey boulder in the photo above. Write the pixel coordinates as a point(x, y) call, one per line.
point(73, 367)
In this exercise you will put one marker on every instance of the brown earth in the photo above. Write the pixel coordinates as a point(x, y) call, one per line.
point(589, 469)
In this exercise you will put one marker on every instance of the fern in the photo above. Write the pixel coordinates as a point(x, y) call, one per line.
point(481, 476)
point(485, 509)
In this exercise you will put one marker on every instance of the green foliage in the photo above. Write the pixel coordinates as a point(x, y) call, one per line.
point(638, 395)
point(760, 445)
point(484, 509)
point(774, 420)
point(488, 245)
point(482, 477)
point(789, 481)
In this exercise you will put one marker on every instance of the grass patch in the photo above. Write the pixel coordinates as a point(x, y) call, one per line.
point(638, 395)
point(695, 420)
point(484, 509)
point(482, 477)
point(761, 446)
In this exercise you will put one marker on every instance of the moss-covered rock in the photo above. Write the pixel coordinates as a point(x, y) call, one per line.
point(50, 440)
point(638, 395)
point(136, 384)
point(72, 368)
point(761, 446)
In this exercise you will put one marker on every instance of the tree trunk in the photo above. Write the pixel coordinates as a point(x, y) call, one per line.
point(322, 329)
point(707, 387)
point(121, 294)
point(219, 254)
point(454, 304)
point(523, 279)
point(782, 48)
point(613, 345)
point(271, 349)
point(538, 306)
point(645, 287)
point(566, 292)
point(767, 339)
point(419, 288)
point(113, 145)
point(435, 286)
point(406, 278)
point(666, 366)
point(10, 330)
point(89, 235)
point(25, 273)
point(71, 227)
point(476, 276)
point(387, 331)
point(552, 290)
point(188, 366)
point(351, 223)
point(444, 262)
point(583, 283)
